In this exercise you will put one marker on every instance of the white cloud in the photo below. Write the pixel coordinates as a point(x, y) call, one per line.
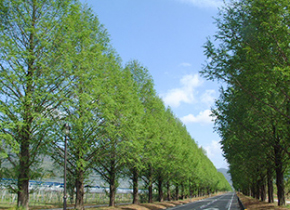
point(185, 64)
point(208, 97)
point(175, 96)
point(205, 3)
point(214, 153)
point(202, 117)
point(186, 93)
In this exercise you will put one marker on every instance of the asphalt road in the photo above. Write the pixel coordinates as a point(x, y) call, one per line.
point(226, 201)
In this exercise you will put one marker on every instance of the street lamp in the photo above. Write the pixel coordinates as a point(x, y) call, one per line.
point(66, 130)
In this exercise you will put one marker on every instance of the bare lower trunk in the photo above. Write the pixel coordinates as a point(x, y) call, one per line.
point(280, 186)
point(112, 189)
point(279, 169)
point(150, 193)
point(263, 192)
point(168, 191)
point(23, 177)
point(190, 189)
point(182, 192)
point(160, 189)
point(150, 187)
point(176, 192)
point(23, 195)
point(257, 190)
point(80, 191)
point(270, 187)
point(253, 192)
point(135, 186)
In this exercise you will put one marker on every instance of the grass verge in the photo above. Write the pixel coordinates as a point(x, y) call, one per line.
point(142, 206)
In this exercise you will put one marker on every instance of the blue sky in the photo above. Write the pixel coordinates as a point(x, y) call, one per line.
point(166, 36)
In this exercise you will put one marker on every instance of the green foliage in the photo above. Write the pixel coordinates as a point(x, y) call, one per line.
point(33, 78)
point(57, 66)
point(252, 114)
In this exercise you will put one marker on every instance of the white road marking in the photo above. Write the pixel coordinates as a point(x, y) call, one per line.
point(212, 209)
point(204, 206)
point(230, 203)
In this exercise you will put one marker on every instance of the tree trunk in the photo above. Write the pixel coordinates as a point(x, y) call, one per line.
point(24, 156)
point(270, 187)
point(208, 191)
point(168, 191)
point(112, 188)
point(279, 169)
point(150, 187)
point(280, 185)
point(253, 191)
point(23, 177)
point(263, 192)
point(182, 191)
point(80, 190)
point(160, 188)
point(25, 133)
point(176, 192)
point(190, 190)
point(135, 186)
point(257, 191)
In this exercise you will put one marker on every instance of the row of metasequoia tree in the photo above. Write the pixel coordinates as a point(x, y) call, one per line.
point(57, 66)
point(251, 55)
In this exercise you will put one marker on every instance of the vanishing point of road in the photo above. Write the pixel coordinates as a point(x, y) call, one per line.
point(226, 201)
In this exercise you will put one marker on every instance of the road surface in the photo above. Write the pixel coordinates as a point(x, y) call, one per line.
point(226, 201)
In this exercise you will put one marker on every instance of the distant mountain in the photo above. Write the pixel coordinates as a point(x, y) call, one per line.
point(227, 175)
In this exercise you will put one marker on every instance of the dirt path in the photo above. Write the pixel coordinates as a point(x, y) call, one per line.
point(254, 204)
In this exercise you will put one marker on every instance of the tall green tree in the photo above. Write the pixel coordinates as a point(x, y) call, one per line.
point(253, 58)
point(145, 90)
point(121, 113)
point(33, 74)
point(89, 52)
point(154, 117)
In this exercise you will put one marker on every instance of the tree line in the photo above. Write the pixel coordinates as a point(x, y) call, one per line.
point(250, 55)
point(58, 67)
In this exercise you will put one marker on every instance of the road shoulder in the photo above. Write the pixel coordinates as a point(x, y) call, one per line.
point(252, 203)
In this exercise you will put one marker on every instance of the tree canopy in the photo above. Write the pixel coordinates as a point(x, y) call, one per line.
point(57, 67)
point(250, 55)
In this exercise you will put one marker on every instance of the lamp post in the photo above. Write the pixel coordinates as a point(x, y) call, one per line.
point(66, 129)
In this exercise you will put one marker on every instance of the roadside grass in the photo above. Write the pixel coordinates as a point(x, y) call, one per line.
point(141, 206)
point(254, 204)
point(10, 206)
point(5, 206)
